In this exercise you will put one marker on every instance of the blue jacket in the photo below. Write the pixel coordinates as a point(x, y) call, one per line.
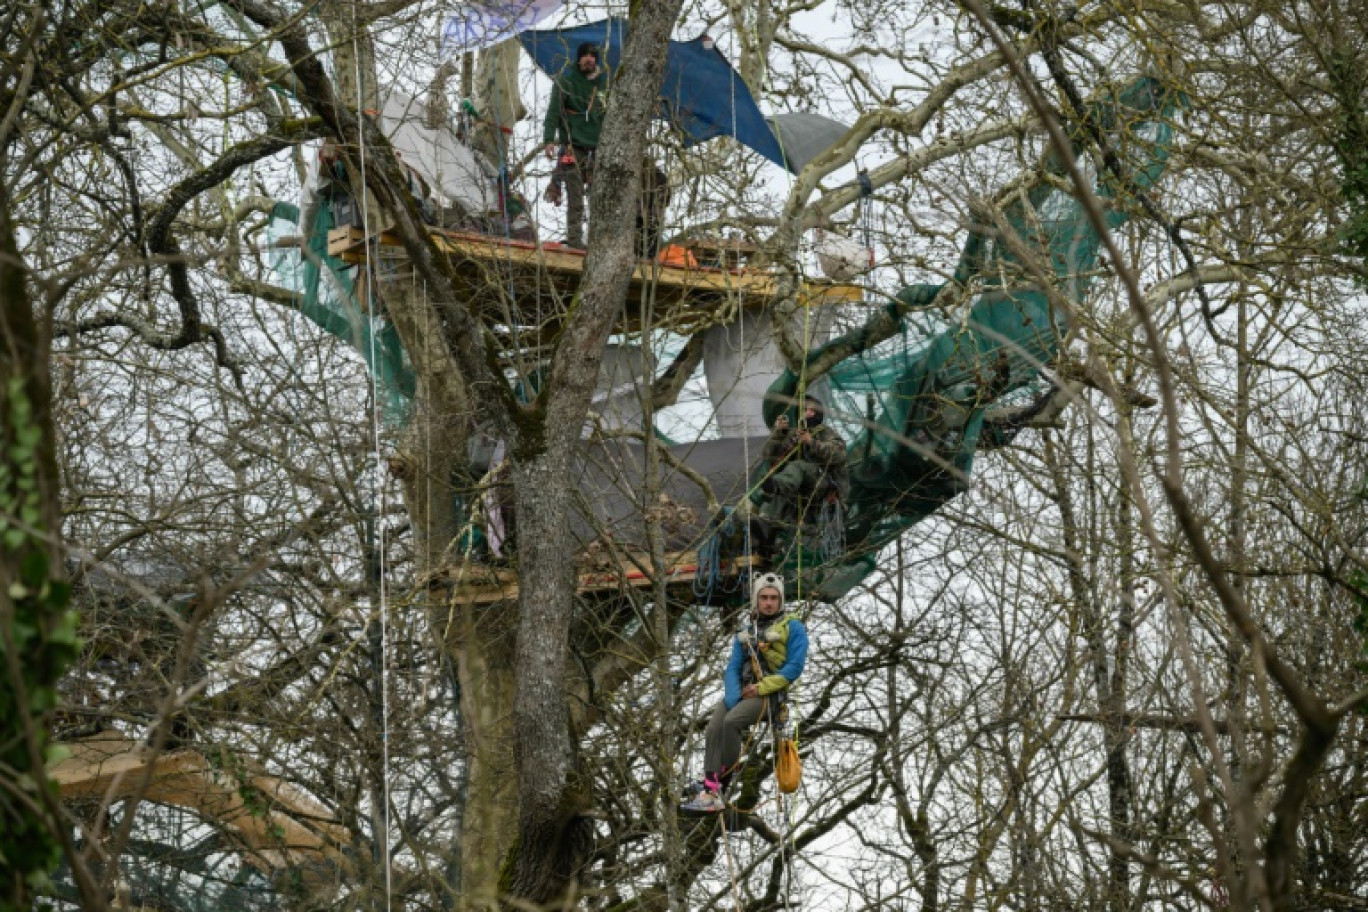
point(783, 651)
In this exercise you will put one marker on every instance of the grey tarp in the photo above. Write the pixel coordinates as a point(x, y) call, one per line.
point(803, 136)
point(611, 481)
point(741, 360)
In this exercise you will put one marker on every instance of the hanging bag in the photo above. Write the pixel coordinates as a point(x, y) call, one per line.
point(788, 767)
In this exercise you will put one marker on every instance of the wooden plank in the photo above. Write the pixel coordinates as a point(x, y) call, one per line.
point(345, 241)
point(480, 584)
point(533, 285)
point(292, 829)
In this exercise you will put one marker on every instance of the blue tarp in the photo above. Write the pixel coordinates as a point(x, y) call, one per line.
point(703, 97)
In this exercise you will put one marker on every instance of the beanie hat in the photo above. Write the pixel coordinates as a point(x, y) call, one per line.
point(588, 47)
point(765, 581)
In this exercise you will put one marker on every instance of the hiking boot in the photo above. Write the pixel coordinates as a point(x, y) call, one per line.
point(705, 802)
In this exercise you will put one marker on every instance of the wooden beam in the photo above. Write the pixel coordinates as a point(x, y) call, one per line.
point(530, 285)
point(289, 829)
point(482, 584)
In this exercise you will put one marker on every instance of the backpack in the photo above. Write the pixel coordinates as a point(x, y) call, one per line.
point(788, 766)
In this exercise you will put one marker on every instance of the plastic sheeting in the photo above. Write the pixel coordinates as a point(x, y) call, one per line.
point(741, 360)
point(454, 173)
point(803, 136)
point(622, 382)
point(486, 22)
point(449, 167)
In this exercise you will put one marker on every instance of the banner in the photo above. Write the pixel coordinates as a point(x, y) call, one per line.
point(486, 22)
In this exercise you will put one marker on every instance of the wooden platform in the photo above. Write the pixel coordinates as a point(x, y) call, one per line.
point(282, 827)
point(540, 281)
point(483, 584)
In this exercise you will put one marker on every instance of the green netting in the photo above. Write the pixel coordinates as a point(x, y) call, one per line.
point(327, 296)
point(920, 402)
point(914, 398)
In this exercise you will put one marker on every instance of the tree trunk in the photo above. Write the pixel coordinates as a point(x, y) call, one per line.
point(432, 450)
point(481, 639)
point(553, 834)
point(430, 460)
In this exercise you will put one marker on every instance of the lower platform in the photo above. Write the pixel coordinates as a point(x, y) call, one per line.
point(483, 584)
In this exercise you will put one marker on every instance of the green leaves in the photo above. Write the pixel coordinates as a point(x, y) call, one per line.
point(21, 509)
point(40, 641)
point(1348, 82)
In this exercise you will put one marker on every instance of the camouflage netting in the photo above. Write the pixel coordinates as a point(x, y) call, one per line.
point(925, 401)
point(915, 397)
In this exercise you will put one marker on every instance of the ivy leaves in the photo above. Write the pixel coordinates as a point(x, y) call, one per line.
point(38, 644)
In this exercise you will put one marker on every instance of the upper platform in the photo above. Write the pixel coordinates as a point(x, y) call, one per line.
point(533, 285)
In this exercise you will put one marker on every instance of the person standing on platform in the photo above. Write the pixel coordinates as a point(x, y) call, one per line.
point(655, 199)
point(574, 120)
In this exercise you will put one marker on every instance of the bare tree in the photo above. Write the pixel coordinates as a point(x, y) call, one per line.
point(1119, 673)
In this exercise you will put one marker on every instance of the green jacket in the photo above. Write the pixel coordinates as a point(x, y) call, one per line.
point(575, 114)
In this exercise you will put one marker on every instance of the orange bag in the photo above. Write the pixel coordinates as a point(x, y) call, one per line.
point(788, 766)
point(677, 255)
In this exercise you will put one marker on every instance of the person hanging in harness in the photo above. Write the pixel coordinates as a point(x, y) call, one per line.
point(574, 120)
point(767, 656)
point(807, 464)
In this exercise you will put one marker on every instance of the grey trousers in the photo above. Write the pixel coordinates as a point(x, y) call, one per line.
point(574, 177)
point(727, 732)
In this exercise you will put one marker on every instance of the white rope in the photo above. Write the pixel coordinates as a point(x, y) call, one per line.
point(787, 852)
point(745, 353)
point(731, 867)
point(786, 846)
point(377, 488)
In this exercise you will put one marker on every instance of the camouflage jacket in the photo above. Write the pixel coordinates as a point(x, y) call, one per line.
point(826, 450)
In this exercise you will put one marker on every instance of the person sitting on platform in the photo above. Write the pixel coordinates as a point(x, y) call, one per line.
point(807, 463)
point(767, 656)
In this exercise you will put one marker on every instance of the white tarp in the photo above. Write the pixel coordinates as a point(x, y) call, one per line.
point(451, 169)
point(741, 360)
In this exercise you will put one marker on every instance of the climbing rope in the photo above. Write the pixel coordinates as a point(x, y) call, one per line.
point(831, 540)
point(377, 489)
point(709, 578)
